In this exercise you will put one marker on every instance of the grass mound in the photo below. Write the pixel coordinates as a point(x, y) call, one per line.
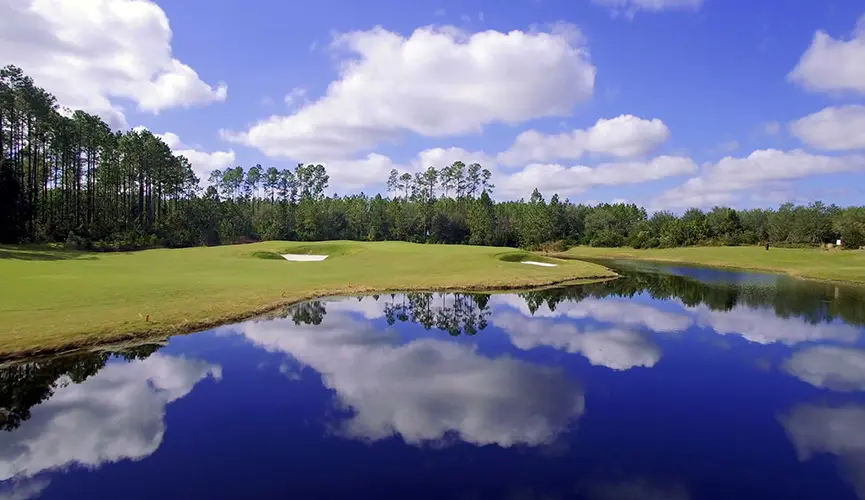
point(266, 255)
point(324, 248)
point(520, 256)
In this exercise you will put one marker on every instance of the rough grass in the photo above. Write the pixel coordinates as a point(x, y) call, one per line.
point(55, 299)
point(830, 265)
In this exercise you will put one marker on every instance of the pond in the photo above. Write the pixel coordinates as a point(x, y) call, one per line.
point(669, 383)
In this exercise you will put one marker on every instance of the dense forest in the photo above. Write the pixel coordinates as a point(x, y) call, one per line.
point(66, 177)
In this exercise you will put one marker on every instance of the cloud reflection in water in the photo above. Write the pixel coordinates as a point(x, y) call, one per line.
point(116, 414)
point(425, 389)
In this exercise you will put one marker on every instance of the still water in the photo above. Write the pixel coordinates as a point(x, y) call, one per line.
point(669, 383)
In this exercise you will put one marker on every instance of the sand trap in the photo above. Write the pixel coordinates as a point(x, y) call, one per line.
point(303, 258)
point(538, 263)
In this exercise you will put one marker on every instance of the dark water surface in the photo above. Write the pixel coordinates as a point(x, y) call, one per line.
point(665, 384)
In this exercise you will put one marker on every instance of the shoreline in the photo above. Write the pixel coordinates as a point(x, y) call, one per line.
point(149, 336)
point(90, 301)
point(600, 255)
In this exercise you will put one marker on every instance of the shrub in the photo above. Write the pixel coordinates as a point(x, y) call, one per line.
point(607, 238)
point(553, 246)
point(76, 242)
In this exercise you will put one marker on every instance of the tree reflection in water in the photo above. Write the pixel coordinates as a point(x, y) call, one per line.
point(468, 313)
point(814, 302)
point(24, 385)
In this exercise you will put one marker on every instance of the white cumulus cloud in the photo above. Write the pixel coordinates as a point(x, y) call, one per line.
point(725, 181)
point(510, 183)
point(438, 81)
point(90, 53)
point(354, 175)
point(835, 128)
point(373, 170)
point(203, 162)
point(549, 178)
point(622, 136)
point(833, 65)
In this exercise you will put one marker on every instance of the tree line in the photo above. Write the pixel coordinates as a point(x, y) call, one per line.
point(65, 176)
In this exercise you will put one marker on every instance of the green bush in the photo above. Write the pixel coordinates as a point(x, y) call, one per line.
point(607, 238)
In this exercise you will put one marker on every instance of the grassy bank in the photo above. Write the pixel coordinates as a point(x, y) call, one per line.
point(53, 299)
point(832, 265)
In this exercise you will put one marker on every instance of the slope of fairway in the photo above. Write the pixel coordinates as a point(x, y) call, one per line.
point(54, 299)
point(832, 265)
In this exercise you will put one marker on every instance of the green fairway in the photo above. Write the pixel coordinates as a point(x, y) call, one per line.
point(54, 299)
point(834, 265)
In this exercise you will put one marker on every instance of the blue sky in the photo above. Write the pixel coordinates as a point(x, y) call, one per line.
point(683, 83)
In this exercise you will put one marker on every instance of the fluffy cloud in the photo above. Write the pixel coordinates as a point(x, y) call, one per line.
point(117, 414)
point(831, 65)
point(723, 182)
point(622, 136)
point(832, 367)
point(25, 489)
point(353, 175)
point(90, 52)
point(424, 389)
point(373, 170)
point(447, 156)
point(838, 431)
point(834, 128)
point(436, 82)
point(203, 163)
point(510, 184)
point(577, 179)
point(631, 7)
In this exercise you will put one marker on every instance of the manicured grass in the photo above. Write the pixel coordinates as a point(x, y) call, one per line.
point(832, 265)
point(54, 299)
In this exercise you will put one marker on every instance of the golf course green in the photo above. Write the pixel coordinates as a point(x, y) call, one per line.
point(53, 299)
point(811, 263)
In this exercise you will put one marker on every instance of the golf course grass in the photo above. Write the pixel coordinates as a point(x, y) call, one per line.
point(53, 299)
point(812, 263)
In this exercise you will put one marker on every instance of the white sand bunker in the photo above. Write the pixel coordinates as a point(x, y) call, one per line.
point(545, 264)
point(296, 257)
